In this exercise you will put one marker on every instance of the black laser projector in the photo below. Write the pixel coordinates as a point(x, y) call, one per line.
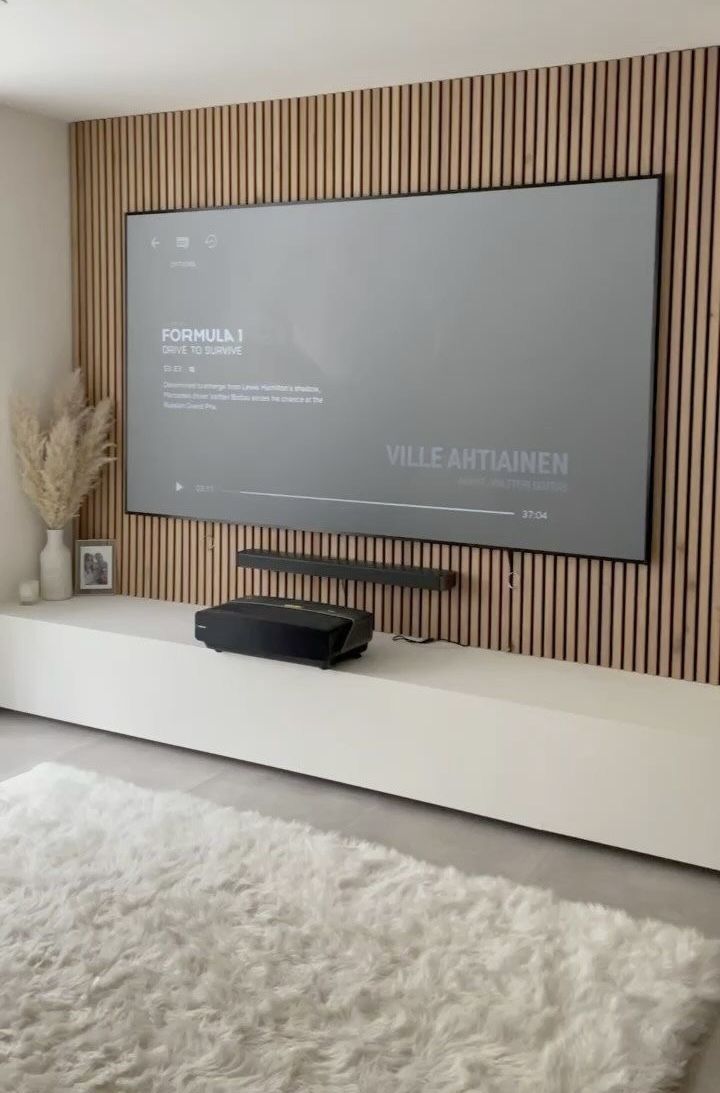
point(295, 630)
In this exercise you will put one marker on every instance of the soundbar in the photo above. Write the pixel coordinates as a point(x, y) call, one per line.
point(404, 576)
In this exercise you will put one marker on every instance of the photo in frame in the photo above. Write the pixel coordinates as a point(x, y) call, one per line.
point(94, 565)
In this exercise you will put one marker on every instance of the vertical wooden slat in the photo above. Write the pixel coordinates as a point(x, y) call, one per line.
point(92, 280)
point(662, 141)
point(694, 360)
point(708, 662)
point(601, 616)
point(673, 534)
point(77, 232)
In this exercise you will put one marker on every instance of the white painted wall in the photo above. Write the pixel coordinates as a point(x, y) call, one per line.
point(35, 308)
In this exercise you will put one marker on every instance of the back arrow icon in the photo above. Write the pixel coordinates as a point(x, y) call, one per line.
point(154, 242)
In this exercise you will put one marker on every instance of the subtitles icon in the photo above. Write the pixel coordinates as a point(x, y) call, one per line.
point(182, 242)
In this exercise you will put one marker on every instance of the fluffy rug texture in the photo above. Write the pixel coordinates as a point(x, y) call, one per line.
point(154, 943)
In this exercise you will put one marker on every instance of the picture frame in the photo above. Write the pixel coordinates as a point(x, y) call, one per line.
point(94, 566)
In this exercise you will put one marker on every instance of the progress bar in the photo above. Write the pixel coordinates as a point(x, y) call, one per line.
point(355, 501)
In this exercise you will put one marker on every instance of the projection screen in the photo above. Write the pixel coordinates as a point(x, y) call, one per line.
point(472, 367)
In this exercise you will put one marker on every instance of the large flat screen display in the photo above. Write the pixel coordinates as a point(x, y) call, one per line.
point(472, 367)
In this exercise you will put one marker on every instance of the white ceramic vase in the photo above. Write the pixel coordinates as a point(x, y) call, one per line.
point(56, 581)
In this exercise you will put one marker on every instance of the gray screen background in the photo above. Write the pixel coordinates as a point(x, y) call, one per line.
point(343, 366)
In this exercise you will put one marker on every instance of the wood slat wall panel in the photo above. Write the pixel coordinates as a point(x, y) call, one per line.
point(655, 114)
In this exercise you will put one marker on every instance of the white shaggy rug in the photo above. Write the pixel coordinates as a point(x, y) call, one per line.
point(154, 943)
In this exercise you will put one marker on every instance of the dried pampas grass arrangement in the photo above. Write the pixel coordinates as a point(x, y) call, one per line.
point(61, 464)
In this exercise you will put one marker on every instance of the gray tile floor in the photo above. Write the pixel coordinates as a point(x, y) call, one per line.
point(579, 871)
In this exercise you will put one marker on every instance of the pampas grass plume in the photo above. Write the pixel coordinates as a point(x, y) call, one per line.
point(61, 464)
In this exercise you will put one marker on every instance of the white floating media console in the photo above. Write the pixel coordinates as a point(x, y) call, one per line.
point(623, 759)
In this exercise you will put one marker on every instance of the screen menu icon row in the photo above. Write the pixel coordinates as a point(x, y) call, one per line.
point(182, 242)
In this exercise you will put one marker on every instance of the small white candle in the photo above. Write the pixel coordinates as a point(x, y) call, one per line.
point(29, 591)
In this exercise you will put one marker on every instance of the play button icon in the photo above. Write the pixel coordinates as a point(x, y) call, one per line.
point(178, 486)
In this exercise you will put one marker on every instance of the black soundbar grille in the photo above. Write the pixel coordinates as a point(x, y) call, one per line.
point(405, 576)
